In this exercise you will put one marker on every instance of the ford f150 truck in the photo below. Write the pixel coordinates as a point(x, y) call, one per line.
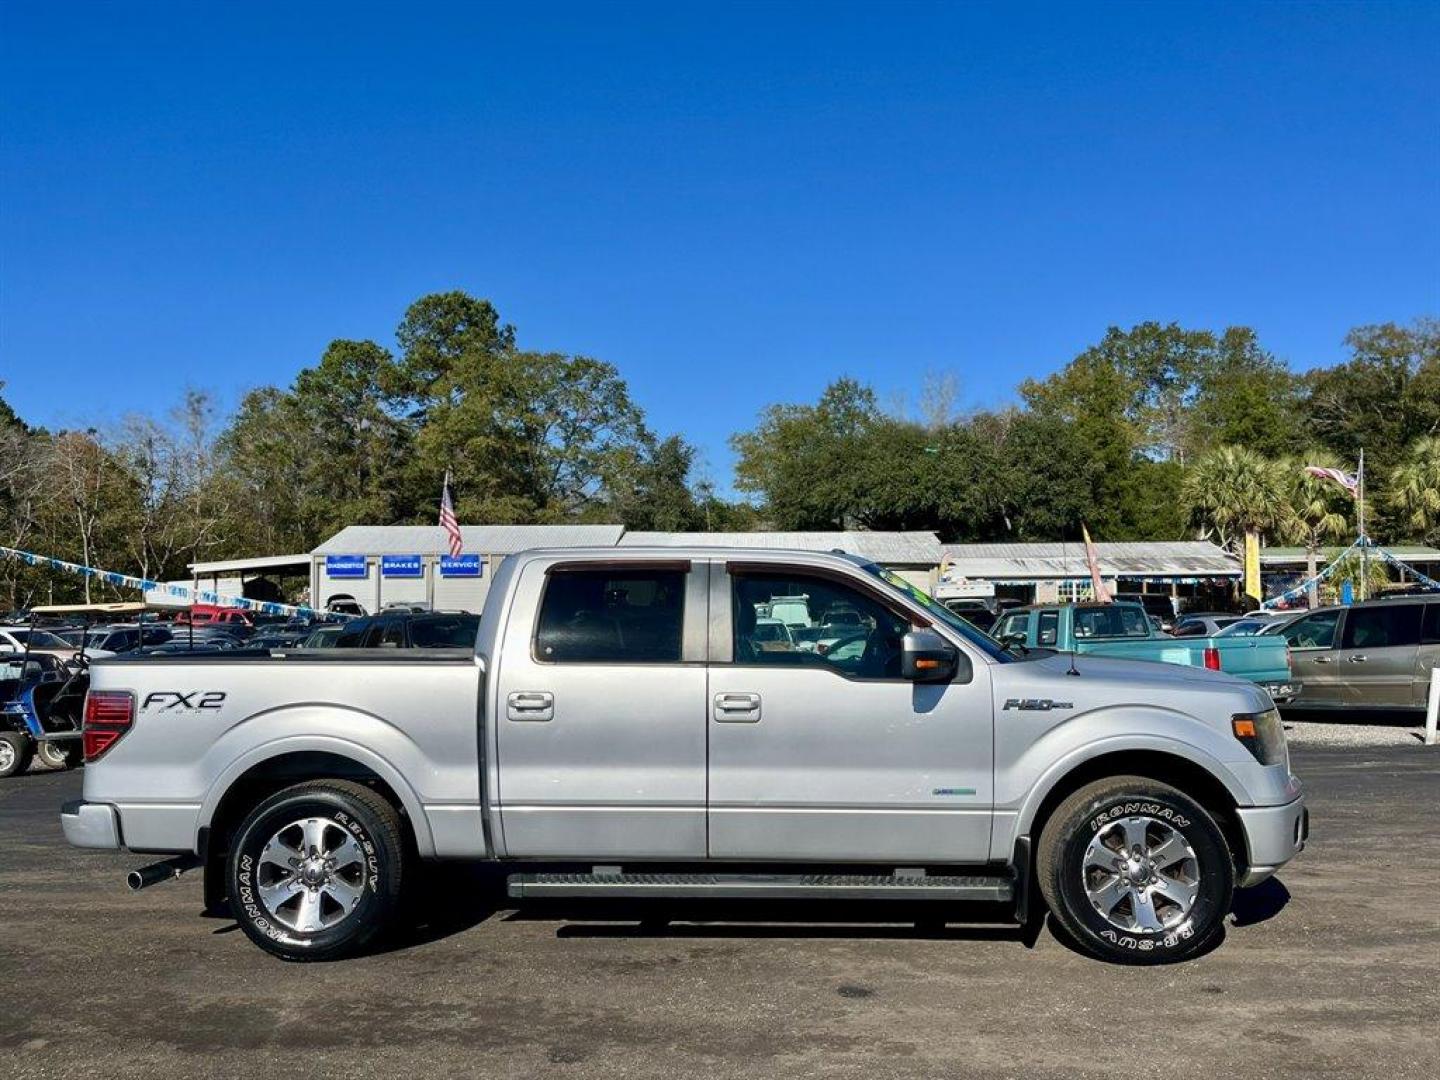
point(622, 730)
point(1122, 629)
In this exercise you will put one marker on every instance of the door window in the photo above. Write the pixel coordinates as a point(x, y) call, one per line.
point(617, 615)
point(1430, 634)
point(1313, 631)
point(842, 628)
point(1382, 627)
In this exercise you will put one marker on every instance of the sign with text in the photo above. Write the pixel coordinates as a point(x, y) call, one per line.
point(401, 566)
point(346, 566)
point(460, 566)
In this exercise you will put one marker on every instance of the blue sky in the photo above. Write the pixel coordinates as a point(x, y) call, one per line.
point(734, 204)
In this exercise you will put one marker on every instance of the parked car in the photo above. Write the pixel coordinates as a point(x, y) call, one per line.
point(1201, 625)
point(1124, 629)
point(41, 700)
point(977, 612)
point(211, 615)
point(125, 637)
point(322, 637)
point(627, 736)
point(410, 630)
point(16, 639)
point(1376, 655)
point(1248, 626)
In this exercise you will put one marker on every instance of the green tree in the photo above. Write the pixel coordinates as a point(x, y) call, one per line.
point(1245, 397)
point(1414, 490)
point(1234, 492)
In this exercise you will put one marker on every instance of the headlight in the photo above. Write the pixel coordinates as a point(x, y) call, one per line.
point(1263, 735)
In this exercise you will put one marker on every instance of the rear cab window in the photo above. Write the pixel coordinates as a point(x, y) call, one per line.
point(1111, 621)
point(611, 615)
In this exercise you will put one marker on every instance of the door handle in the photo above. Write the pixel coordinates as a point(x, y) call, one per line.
point(1324, 660)
point(737, 708)
point(1358, 659)
point(530, 705)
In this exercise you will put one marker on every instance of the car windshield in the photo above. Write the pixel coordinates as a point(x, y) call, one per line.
point(38, 639)
point(1244, 628)
point(978, 638)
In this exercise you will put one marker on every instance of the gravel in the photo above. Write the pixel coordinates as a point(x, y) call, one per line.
point(1359, 729)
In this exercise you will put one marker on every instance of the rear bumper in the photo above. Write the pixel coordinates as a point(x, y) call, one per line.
point(1284, 691)
point(1273, 836)
point(90, 825)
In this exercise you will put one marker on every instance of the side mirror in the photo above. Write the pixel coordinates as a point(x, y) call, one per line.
point(925, 656)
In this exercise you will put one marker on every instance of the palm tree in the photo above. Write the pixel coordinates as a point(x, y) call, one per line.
point(1240, 495)
point(1415, 487)
point(1321, 512)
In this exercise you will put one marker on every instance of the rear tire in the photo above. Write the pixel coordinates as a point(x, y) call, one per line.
point(55, 755)
point(316, 870)
point(1135, 872)
point(15, 752)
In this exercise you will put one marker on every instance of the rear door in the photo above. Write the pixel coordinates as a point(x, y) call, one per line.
point(601, 725)
point(1313, 657)
point(822, 751)
point(1377, 654)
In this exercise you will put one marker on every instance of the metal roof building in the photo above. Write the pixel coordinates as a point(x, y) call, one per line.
point(894, 549)
point(1154, 560)
point(371, 566)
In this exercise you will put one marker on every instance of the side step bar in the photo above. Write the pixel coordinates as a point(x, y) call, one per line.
point(765, 886)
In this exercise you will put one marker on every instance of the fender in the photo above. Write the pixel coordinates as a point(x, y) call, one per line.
point(1045, 762)
point(331, 730)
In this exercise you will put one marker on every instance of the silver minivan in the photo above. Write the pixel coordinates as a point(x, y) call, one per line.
point(1375, 655)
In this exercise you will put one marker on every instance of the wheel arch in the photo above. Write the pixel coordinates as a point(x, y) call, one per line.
point(1182, 773)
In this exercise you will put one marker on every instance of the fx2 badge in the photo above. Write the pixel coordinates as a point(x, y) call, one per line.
point(176, 700)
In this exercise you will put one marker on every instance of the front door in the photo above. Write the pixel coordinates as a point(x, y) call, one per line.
point(1377, 655)
point(819, 750)
point(601, 725)
point(1313, 656)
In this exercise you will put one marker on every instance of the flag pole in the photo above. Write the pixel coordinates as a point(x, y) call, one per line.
point(1364, 544)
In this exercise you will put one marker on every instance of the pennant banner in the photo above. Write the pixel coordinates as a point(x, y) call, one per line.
point(180, 592)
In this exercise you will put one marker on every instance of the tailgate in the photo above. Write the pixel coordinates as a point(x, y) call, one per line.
point(1259, 659)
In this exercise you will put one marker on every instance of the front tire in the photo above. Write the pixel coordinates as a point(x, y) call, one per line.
point(15, 751)
point(1135, 871)
point(316, 870)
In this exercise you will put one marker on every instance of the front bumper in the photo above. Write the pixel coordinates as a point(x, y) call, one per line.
point(1282, 693)
point(90, 825)
point(1273, 836)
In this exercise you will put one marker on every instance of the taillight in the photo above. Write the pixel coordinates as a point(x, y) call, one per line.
point(108, 715)
point(1212, 658)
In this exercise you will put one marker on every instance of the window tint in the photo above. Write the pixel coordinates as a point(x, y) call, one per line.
point(1111, 620)
point(616, 615)
point(1430, 635)
point(847, 630)
point(1048, 629)
point(1382, 627)
point(352, 634)
point(444, 631)
point(392, 634)
point(1313, 631)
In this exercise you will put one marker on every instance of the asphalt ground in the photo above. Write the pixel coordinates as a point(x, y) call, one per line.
point(1331, 970)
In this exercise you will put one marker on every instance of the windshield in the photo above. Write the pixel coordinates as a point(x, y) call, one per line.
point(982, 641)
point(1243, 628)
point(39, 639)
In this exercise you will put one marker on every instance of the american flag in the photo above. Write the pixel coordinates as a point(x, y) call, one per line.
point(448, 521)
point(1346, 480)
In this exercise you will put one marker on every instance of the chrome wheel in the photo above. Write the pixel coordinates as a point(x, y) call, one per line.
point(52, 755)
point(1140, 873)
point(7, 755)
point(310, 875)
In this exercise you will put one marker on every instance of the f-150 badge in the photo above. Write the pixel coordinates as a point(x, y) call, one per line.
point(1037, 704)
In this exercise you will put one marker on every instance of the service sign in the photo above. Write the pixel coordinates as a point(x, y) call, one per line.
point(401, 566)
point(346, 566)
point(460, 566)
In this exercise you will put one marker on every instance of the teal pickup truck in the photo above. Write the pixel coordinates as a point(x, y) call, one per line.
point(1124, 630)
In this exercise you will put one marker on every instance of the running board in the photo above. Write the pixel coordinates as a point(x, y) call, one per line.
point(765, 886)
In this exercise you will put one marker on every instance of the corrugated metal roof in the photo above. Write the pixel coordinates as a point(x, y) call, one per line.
point(1296, 555)
point(890, 548)
point(481, 539)
point(1053, 561)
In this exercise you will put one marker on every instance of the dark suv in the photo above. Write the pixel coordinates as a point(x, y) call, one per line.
point(410, 630)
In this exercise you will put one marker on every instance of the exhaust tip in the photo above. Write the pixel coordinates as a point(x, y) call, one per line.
point(135, 880)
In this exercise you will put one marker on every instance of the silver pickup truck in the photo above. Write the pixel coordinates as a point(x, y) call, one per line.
point(623, 728)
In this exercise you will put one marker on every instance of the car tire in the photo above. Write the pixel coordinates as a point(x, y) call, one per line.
point(316, 870)
point(1135, 871)
point(15, 752)
point(56, 755)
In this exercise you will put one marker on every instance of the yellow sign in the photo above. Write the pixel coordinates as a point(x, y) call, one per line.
point(1252, 565)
